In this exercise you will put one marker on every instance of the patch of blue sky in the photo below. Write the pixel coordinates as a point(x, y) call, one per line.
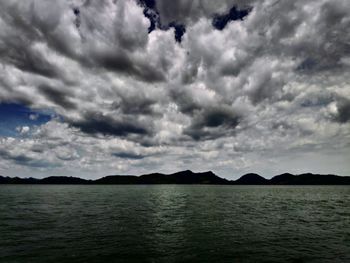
point(14, 115)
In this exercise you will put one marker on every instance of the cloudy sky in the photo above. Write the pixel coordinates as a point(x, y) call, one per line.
point(90, 88)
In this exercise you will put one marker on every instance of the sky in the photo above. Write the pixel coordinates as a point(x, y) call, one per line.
point(91, 88)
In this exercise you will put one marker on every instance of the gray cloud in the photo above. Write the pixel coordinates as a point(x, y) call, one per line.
point(97, 123)
point(124, 155)
point(58, 97)
point(212, 123)
point(24, 160)
point(122, 63)
point(28, 60)
point(343, 114)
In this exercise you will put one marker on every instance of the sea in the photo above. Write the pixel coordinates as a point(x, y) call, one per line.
point(174, 223)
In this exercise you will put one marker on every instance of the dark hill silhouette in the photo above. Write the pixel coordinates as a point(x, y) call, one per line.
point(310, 179)
point(17, 180)
point(285, 178)
point(252, 178)
point(189, 177)
point(183, 177)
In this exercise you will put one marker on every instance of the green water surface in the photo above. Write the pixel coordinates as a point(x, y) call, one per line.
point(174, 223)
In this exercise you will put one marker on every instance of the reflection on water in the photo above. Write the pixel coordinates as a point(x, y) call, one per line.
point(171, 223)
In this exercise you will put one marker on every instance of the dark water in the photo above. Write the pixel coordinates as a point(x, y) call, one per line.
point(174, 223)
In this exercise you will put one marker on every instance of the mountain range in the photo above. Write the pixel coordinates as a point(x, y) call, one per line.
point(189, 177)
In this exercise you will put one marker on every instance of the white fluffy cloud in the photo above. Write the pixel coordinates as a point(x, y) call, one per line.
point(268, 91)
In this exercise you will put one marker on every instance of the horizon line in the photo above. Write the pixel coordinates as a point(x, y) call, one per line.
point(165, 174)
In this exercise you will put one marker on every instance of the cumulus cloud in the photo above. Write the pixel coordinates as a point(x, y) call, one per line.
point(23, 129)
point(133, 86)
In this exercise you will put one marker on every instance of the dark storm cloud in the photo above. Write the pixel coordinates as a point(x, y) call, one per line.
point(135, 105)
point(212, 123)
point(25, 59)
point(58, 97)
point(97, 123)
point(120, 62)
point(313, 99)
point(343, 114)
point(24, 160)
point(184, 100)
point(135, 153)
point(126, 155)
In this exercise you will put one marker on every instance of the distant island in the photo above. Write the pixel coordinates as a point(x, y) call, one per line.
point(188, 177)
